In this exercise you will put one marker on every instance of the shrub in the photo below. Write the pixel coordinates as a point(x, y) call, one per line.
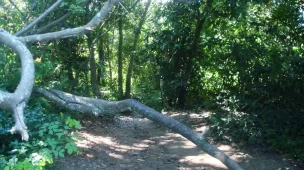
point(51, 137)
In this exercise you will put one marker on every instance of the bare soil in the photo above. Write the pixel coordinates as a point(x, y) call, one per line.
point(131, 143)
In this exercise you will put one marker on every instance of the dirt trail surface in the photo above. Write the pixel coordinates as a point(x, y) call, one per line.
point(140, 144)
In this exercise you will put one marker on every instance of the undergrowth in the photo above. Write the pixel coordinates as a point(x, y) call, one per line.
point(278, 128)
point(51, 136)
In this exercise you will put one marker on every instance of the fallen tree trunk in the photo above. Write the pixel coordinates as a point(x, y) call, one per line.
point(100, 107)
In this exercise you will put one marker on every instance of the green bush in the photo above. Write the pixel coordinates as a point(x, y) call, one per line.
point(279, 128)
point(51, 136)
point(236, 126)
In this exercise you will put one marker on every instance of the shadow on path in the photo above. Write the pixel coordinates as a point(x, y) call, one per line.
point(139, 144)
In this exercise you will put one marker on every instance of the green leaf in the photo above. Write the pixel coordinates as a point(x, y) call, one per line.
point(77, 125)
point(71, 147)
point(61, 153)
point(51, 132)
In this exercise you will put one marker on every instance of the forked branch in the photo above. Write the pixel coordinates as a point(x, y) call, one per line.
point(74, 31)
point(16, 101)
point(38, 19)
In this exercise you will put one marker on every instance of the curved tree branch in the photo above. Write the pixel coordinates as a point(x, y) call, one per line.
point(100, 107)
point(54, 35)
point(32, 24)
point(74, 31)
point(16, 101)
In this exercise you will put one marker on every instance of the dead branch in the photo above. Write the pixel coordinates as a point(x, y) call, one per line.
point(100, 107)
point(16, 101)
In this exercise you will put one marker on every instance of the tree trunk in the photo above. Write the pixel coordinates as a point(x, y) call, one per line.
point(136, 38)
point(100, 107)
point(110, 67)
point(182, 88)
point(16, 102)
point(101, 79)
point(93, 67)
point(120, 89)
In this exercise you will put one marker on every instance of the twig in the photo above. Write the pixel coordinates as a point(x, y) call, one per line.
point(48, 26)
point(17, 8)
point(61, 19)
point(49, 10)
point(128, 13)
point(112, 25)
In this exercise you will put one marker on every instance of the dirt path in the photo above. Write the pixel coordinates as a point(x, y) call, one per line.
point(139, 144)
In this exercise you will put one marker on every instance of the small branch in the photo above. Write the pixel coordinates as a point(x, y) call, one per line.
point(37, 20)
point(74, 31)
point(135, 3)
point(52, 24)
point(17, 8)
point(102, 13)
point(61, 19)
point(113, 23)
point(123, 7)
point(54, 35)
point(247, 106)
point(184, 1)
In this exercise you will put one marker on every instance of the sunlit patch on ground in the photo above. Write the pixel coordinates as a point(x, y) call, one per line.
point(136, 143)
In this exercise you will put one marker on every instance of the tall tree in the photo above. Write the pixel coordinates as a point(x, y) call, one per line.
point(101, 71)
point(193, 55)
point(120, 43)
point(137, 32)
point(17, 100)
point(94, 82)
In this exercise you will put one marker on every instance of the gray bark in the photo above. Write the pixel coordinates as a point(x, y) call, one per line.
point(16, 101)
point(99, 107)
point(74, 31)
point(59, 20)
point(38, 19)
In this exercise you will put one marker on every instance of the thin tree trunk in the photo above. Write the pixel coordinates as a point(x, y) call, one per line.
point(110, 67)
point(136, 38)
point(71, 76)
point(94, 84)
point(101, 68)
point(182, 88)
point(120, 78)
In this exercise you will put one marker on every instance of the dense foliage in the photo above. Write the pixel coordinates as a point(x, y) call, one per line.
point(51, 138)
point(243, 60)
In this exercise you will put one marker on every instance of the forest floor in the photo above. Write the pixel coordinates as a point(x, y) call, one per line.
point(137, 143)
